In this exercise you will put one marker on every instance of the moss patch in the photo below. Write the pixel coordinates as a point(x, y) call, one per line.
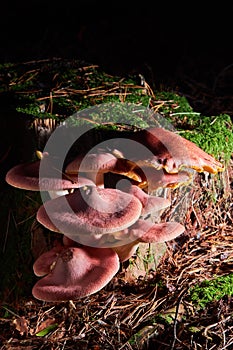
point(211, 290)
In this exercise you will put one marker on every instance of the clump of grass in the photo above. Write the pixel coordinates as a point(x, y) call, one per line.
point(211, 290)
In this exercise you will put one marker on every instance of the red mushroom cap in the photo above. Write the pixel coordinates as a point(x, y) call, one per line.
point(90, 210)
point(44, 263)
point(173, 152)
point(91, 162)
point(27, 176)
point(144, 231)
point(95, 165)
point(159, 178)
point(150, 203)
point(158, 232)
point(78, 272)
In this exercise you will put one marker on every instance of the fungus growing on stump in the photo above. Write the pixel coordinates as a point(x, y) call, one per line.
point(171, 152)
point(104, 220)
point(77, 272)
point(148, 232)
point(26, 176)
point(89, 213)
point(160, 178)
point(150, 203)
point(95, 165)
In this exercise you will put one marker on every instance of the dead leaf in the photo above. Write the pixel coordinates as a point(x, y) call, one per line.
point(21, 324)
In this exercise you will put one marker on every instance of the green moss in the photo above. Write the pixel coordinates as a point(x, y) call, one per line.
point(211, 290)
point(212, 134)
point(115, 113)
point(173, 106)
point(59, 88)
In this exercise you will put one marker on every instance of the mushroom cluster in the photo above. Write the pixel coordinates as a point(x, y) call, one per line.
point(102, 205)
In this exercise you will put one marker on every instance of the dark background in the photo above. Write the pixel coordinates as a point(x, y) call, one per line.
point(165, 41)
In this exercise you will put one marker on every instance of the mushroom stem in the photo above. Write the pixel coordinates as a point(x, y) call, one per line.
point(126, 251)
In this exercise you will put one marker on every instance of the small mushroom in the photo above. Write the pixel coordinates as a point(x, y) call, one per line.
point(151, 178)
point(90, 211)
point(27, 176)
point(95, 165)
point(147, 232)
point(77, 273)
point(159, 178)
point(171, 152)
point(150, 204)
